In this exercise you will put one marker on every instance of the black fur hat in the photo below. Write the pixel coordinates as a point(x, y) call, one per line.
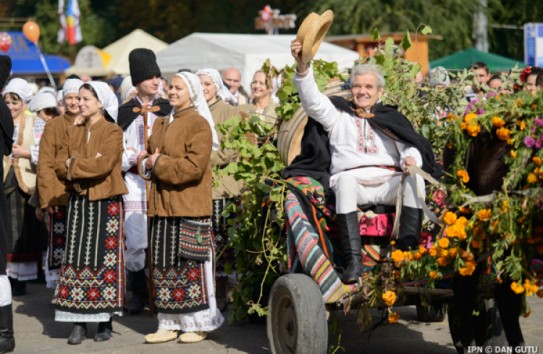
point(143, 65)
point(5, 69)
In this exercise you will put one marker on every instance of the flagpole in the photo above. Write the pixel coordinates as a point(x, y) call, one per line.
point(44, 63)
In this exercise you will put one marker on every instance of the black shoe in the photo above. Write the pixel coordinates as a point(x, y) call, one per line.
point(104, 331)
point(7, 341)
point(349, 233)
point(78, 333)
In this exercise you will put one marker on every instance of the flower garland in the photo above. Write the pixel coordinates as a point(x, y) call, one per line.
point(501, 232)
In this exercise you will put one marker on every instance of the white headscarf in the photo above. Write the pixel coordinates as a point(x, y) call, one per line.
point(199, 102)
point(20, 87)
point(222, 91)
point(106, 97)
point(71, 86)
point(44, 99)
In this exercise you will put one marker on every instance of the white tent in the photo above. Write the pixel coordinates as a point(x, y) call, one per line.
point(247, 52)
point(113, 59)
point(120, 49)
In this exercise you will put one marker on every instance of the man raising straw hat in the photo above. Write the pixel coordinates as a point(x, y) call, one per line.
point(371, 145)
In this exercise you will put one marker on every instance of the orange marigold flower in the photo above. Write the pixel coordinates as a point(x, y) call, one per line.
point(433, 274)
point(417, 255)
point(393, 317)
point(513, 154)
point(476, 243)
point(463, 174)
point(503, 133)
point(449, 218)
point(389, 297)
point(422, 250)
point(484, 214)
point(462, 221)
point(443, 242)
point(451, 231)
point(450, 117)
point(510, 141)
point(468, 269)
point(537, 160)
point(443, 253)
point(517, 288)
point(469, 117)
point(532, 178)
point(529, 287)
point(521, 124)
point(433, 251)
point(473, 130)
point(442, 261)
point(397, 256)
point(497, 122)
point(452, 252)
point(464, 210)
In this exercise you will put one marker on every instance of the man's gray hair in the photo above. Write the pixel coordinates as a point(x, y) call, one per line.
point(362, 69)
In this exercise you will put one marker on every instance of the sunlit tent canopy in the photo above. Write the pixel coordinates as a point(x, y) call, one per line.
point(113, 59)
point(91, 61)
point(25, 58)
point(120, 49)
point(464, 58)
point(247, 52)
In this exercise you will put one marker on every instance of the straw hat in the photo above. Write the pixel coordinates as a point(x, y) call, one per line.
point(312, 32)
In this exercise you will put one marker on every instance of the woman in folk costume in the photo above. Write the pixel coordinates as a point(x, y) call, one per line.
point(262, 103)
point(7, 340)
point(226, 189)
point(53, 192)
point(178, 163)
point(27, 232)
point(91, 285)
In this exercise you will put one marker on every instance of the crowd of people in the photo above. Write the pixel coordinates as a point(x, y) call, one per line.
point(107, 185)
point(107, 191)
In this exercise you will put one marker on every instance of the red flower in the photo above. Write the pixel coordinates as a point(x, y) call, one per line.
point(178, 294)
point(111, 243)
point(110, 276)
point(113, 209)
point(93, 294)
point(527, 70)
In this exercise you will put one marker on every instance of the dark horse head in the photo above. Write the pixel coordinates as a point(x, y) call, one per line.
point(485, 163)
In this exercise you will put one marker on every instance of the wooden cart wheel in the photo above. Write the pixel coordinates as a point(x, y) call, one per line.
point(297, 317)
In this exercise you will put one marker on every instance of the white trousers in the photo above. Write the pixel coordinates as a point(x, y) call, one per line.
point(5, 291)
point(350, 192)
point(135, 230)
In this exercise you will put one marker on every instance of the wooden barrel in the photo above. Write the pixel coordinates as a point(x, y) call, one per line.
point(289, 138)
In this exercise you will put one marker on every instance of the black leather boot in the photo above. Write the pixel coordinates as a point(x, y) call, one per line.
point(78, 333)
point(139, 292)
point(7, 341)
point(349, 233)
point(410, 225)
point(104, 331)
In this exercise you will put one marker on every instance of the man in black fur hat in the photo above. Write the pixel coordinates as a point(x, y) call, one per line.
point(7, 341)
point(371, 147)
point(137, 117)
